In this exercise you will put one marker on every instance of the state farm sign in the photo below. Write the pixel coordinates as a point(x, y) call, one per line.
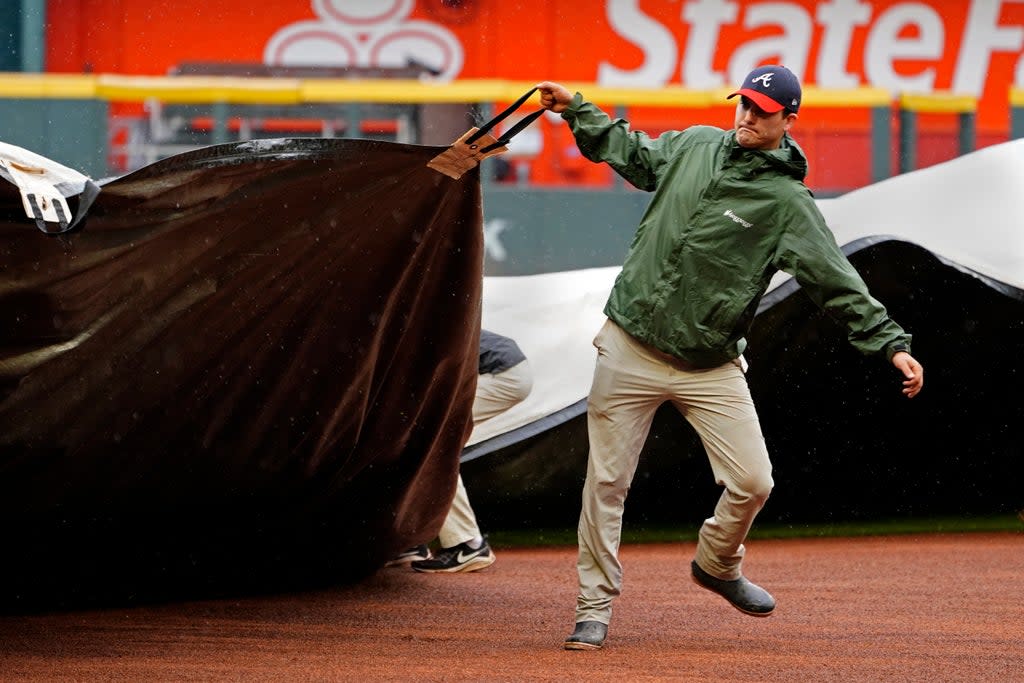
point(972, 47)
point(901, 46)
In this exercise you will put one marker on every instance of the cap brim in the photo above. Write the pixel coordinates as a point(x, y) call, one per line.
point(760, 99)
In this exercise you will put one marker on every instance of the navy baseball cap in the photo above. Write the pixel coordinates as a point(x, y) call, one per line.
point(772, 88)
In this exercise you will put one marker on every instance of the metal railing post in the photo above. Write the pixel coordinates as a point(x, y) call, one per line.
point(220, 122)
point(881, 142)
point(968, 132)
point(1016, 113)
point(33, 35)
point(908, 139)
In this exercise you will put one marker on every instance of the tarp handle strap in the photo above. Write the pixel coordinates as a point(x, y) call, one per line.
point(85, 199)
point(504, 139)
point(507, 135)
point(37, 214)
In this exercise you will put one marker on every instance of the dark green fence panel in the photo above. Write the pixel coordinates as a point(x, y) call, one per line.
point(10, 36)
point(541, 231)
point(71, 132)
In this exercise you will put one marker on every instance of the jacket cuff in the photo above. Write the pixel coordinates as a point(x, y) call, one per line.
point(896, 348)
point(574, 106)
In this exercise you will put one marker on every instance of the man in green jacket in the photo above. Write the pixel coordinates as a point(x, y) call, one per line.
point(729, 209)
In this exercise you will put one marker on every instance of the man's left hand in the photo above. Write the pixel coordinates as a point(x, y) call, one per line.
point(912, 370)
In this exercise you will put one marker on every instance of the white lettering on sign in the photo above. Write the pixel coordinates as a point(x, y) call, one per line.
point(839, 19)
point(790, 47)
point(706, 18)
point(982, 36)
point(656, 42)
point(885, 47)
point(905, 32)
point(492, 238)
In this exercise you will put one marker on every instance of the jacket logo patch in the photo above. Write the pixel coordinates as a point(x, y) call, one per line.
point(737, 219)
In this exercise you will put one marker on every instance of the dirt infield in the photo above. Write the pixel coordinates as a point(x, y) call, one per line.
point(903, 608)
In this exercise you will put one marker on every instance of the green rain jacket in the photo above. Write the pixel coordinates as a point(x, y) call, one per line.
point(723, 219)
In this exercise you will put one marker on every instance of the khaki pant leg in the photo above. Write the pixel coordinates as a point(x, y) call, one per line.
point(460, 525)
point(718, 405)
point(626, 391)
point(497, 393)
point(494, 395)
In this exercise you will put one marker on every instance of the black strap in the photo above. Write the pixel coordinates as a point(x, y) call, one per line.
point(511, 132)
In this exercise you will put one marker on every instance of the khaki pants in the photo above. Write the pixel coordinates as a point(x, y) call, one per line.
point(631, 381)
point(494, 395)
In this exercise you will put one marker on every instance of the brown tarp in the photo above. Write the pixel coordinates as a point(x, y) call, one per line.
point(249, 366)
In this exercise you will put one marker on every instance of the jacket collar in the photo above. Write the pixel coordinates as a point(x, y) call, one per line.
point(789, 158)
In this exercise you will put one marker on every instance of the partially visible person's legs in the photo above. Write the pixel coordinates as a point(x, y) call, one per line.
point(463, 547)
point(494, 395)
point(460, 526)
point(497, 393)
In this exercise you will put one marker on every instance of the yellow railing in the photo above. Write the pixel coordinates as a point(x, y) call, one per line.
point(262, 90)
point(942, 102)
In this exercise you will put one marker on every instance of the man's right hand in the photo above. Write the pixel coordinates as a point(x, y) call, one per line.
point(554, 97)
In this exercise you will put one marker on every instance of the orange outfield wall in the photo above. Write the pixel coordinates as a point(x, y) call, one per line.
point(929, 45)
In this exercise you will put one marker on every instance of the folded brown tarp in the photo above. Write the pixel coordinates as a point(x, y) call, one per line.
point(249, 366)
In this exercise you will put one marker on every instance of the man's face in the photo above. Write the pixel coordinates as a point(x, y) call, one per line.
point(757, 129)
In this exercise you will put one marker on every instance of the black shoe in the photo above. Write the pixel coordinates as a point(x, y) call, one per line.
point(589, 635)
point(417, 552)
point(460, 558)
point(745, 596)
